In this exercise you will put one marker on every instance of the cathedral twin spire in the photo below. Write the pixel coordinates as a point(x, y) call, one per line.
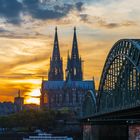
point(56, 52)
point(75, 61)
point(74, 64)
point(56, 65)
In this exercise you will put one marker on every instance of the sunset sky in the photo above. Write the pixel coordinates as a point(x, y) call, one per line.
point(27, 35)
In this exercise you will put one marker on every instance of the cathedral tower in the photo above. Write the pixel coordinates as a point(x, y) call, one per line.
point(74, 65)
point(56, 64)
point(68, 69)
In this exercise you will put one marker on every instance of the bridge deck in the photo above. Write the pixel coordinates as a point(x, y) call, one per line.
point(127, 116)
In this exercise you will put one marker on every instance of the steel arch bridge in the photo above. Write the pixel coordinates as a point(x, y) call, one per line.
point(119, 87)
point(89, 104)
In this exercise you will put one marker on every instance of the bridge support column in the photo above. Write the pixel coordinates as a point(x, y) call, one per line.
point(105, 132)
point(113, 132)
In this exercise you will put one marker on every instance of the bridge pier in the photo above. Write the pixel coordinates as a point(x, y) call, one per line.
point(105, 132)
point(113, 132)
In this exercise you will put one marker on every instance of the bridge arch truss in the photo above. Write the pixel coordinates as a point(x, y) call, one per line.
point(89, 104)
point(119, 86)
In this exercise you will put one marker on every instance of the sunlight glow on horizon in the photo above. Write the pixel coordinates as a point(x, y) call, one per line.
point(33, 97)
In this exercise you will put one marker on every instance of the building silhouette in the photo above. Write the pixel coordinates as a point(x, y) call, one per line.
point(7, 108)
point(19, 102)
point(62, 93)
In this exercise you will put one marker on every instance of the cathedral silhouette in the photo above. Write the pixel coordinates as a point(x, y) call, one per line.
point(68, 93)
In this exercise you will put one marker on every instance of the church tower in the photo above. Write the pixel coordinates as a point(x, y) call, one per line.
point(74, 65)
point(68, 69)
point(56, 64)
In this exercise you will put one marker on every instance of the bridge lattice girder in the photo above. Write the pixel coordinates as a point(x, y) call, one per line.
point(120, 81)
point(89, 104)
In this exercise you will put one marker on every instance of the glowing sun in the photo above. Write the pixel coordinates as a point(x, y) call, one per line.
point(34, 97)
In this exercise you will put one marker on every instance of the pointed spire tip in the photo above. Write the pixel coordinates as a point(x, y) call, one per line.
point(19, 93)
point(56, 28)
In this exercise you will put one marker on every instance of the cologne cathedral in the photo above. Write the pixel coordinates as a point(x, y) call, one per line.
point(68, 93)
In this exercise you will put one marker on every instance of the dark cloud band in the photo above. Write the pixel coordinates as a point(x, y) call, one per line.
point(11, 10)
